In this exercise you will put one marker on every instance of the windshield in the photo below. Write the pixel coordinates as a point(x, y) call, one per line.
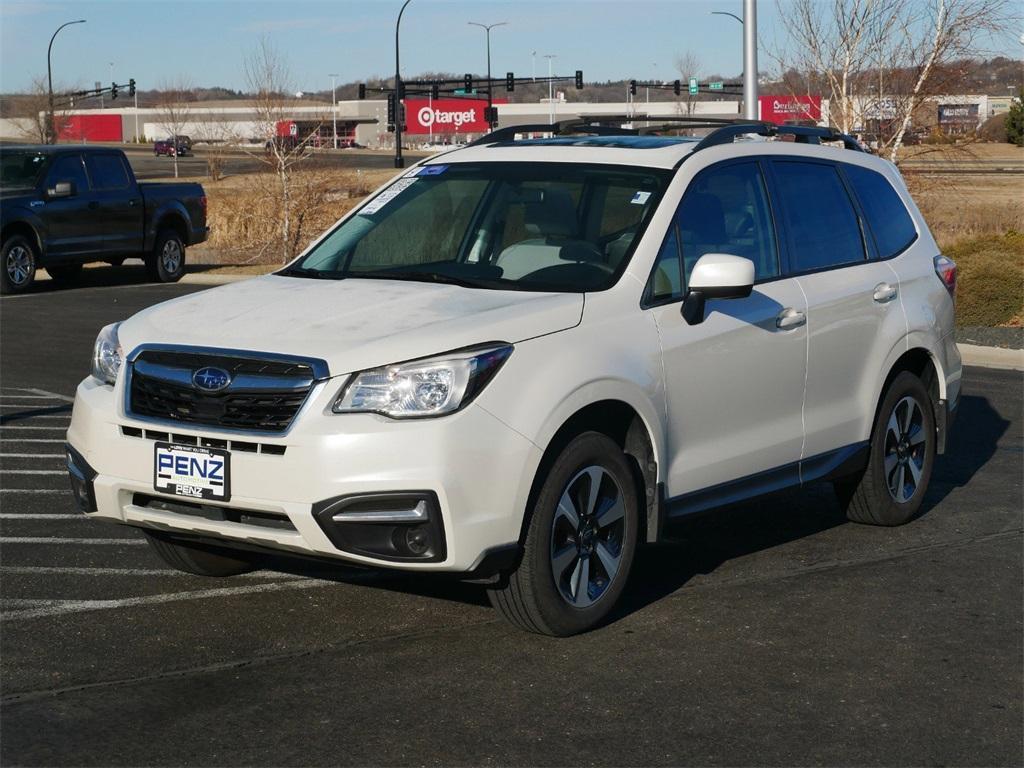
point(20, 168)
point(520, 226)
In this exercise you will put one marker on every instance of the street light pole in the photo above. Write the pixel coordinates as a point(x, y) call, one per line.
point(750, 110)
point(50, 138)
point(551, 93)
point(487, 28)
point(334, 107)
point(399, 162)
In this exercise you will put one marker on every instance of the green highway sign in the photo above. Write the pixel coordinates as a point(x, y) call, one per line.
point(464, 92)
point(715, 86)
point(693, 86)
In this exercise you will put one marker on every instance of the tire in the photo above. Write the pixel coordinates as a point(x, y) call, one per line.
point(198, 559)
point(545, 593)
point(166, 264)
point(17, 264)
point(890, 490)
point(65, 273)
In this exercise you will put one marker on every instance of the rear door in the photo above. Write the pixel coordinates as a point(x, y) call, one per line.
point(854, 314)
point(71, 226)
point(119, 203)
point(734, 383)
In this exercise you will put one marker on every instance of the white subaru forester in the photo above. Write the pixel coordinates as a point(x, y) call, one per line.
point(519, 360)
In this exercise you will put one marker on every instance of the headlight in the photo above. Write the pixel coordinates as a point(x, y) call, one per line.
point(431, 387)
point(106, 355)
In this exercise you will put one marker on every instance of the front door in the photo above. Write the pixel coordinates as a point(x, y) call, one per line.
point(71, 227)
point(735, 382)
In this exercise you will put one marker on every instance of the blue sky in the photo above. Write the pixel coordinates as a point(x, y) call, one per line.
point(207, 40)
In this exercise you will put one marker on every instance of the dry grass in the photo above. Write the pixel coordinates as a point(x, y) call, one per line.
point(245, 213)
point(970, 206)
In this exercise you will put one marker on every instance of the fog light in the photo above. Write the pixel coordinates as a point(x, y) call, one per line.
point(81, 475)
point(418, 540)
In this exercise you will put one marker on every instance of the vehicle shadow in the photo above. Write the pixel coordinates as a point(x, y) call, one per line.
point(104, 277)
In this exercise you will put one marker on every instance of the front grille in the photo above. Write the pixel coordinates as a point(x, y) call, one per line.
point(264, 395)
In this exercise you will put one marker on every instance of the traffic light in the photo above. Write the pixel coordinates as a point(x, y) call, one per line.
point(510, 81)
point(632, 87)
point(435, 90)
point(579, 79)
point(113, 91)
point(491, 116)
point(677, 87)
point(131, 87)
point(467, 83)
point(362, 90)
point(391, 110)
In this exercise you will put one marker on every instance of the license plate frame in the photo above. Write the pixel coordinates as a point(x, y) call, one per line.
point(214, 485)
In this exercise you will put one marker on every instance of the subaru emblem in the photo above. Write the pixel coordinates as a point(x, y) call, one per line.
point(211, 379)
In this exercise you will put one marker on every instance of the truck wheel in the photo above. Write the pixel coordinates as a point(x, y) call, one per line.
point(198, 559)
point(580, 543)
point(65, 273)
point(19, 264)
point(891, 489)
point(166, 264)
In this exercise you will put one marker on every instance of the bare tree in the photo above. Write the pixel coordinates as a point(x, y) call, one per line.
point(174, 108)
point(687, 65)
point(269, 79)
point(879, 60)
point(29, 111)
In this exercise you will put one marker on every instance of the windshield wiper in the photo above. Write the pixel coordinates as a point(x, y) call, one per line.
point(315, 274)
point(421, 277)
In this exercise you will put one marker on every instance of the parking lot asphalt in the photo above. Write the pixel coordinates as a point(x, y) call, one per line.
point(774, 633)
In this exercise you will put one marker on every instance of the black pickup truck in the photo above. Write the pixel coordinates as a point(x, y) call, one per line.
point(64, 206)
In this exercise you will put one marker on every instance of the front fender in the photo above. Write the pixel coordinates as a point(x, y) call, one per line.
point(22, 216)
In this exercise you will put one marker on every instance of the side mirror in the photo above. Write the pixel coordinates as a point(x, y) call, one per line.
point(716, 276)
point(61, 189)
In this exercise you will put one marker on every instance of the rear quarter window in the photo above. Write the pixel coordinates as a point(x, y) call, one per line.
point(887, 216)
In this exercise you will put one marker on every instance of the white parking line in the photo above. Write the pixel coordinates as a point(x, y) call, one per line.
point(31, 440)
point(77, 606)
point(49, 540)
point(28, 397)
point(32, 456)
point(33, 472)
point(54, 395)
point(39, 516)
point(34, 490)
point(62, 416)
point(51, 570)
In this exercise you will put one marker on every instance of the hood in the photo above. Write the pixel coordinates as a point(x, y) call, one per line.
point(352, 324)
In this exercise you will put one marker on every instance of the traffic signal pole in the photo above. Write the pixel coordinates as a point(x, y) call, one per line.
point(750, 60)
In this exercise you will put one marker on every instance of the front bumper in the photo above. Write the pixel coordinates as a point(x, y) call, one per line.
point(478, 470)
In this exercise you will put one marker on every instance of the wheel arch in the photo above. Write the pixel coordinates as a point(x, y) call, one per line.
point(26, 229)
point(172, 216)
point(628, 424)
point(913, 355)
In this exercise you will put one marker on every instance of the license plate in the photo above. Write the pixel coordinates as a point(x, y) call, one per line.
point(191, 471)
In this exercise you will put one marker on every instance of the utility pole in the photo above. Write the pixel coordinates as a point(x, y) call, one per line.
point(487, 28)
point(551, 92)
point(136, 97)
point(399, 93)
point(50, 136)
point(750, 111)
point(334, 107)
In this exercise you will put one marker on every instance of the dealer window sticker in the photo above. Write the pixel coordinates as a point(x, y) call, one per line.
point(641, 198)
point(386, 196)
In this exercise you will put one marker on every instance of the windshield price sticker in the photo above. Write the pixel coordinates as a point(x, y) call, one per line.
point(426, 170)
point(640, 198)
point(386, 196)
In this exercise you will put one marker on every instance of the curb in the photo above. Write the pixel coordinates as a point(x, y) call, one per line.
point(992, 357)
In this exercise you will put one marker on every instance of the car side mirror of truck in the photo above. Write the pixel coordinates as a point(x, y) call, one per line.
point(61, 189)
point(716, 276)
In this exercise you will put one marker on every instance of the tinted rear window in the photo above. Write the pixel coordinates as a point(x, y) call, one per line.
point(886, 214)
point(107, 171)
point(823, 227)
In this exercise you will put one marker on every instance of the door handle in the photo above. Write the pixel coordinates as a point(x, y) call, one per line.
point(132, 203)
point(790, 318)
point(885, 292)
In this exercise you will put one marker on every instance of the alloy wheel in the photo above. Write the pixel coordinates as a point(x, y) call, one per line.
point(587, 536)
point(905, 449)
point(170, 257)
point(19, 265)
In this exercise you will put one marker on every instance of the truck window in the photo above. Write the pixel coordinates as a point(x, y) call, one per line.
point(68, 168)
point(107, 172)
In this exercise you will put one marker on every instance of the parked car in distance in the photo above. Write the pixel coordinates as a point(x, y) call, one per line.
point(175, 145)
point(519, 360)
point(69, 205)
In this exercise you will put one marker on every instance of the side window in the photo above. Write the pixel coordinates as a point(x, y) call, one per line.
point(725, 210)
point(107, 172)
point(823, 226)
point(887, 216)
point(68, 168)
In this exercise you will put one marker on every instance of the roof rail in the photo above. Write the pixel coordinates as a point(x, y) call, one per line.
point(802, 134)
